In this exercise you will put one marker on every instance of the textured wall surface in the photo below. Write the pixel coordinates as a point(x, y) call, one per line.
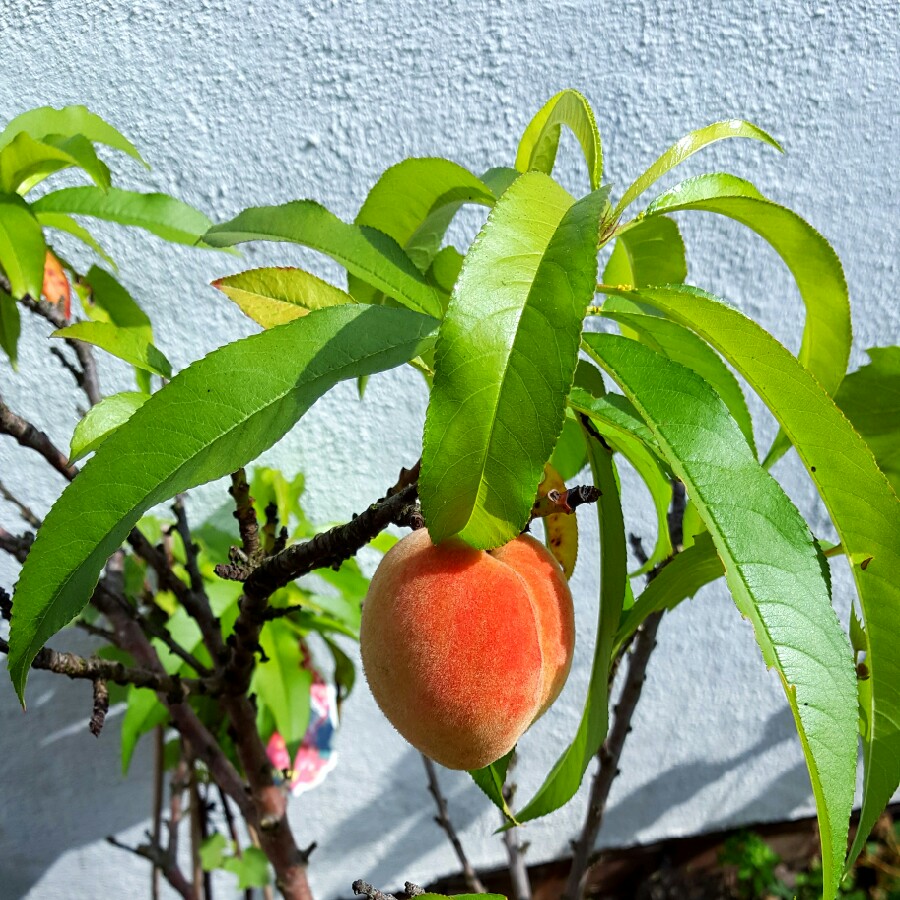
point(241, 103)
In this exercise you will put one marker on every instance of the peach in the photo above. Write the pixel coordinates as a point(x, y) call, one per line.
point(463, 649)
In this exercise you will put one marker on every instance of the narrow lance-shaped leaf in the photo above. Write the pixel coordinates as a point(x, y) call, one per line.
point(415, 200)
point(212, 418)
point(682, 345)
point(25, 162)
point(505, 360)
point(162, 215)
point(621, 426)
point(540, 142)
point(101, 420)
point(565, 778)
point(129, 344)
point(373, 256)
point(863, 507)
point(825, 347)
point(68, 121)
point(273, 296)
point(870, 398)
point(689, 570)
point(772, 566)
point(22, 248)
point(108, 301)
point(64, 222)
point(648, 252)
point(282, 683)
point(10, 327)
point(688, 146)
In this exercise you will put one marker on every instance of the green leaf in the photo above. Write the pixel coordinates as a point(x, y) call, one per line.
point(68, 121)
point(143, 713)
point(365, 252)
point(649, 252)
point(274, 296)
point(22, 248)
point(445, 268)
point(537, 149)
point(825, 348)
point(688, 146)
point(212, 851)
point(10, 327)
point(870, 399)
point(415, 200)
point(109, 301)
point(772, 567)
point(252, 868)
point(462, 897)
point(126, 343)
point(63, 222)
point(25, 162)
point(281, 684)
point(621, 426)
point(505, 360)
point(212, 418)
point(689, 570)
point(102, 420)
point(570, 453)
point(565, 778)
point(863, 507)
point(681, 344)
point(159, 214)
point(491, 779)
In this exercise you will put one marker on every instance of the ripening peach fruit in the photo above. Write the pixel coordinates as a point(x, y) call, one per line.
point(463, 649)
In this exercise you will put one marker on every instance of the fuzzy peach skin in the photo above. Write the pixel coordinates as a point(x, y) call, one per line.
point(464, 649)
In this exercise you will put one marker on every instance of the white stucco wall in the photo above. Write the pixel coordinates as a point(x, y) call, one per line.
point(238, 103)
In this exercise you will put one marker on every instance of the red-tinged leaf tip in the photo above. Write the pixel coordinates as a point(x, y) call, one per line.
point(56, 286)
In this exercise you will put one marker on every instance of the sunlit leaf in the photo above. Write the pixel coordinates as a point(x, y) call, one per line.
point(274, 296)
point(870, 398)
point(68, 121)
point(101, 420)
point(212, 418)
point(128, 344)
point(688, 146)
point(537, 149)
point(373, 256)
point(25, 162)
point(500, 386)
point(772, 566)
point(825, 347)
point(863, 507)
point(64, 222)
point(560, 529)
point(22, 248)
point(160, 214)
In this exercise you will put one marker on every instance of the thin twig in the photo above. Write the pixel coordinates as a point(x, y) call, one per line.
point(515, 852)
point(87, 379)
point(24, 511)
point(233, 833)
point(473, 882)
point(159, 753)
point(101, 707)
point(16, 545)
point(92, 669)
point(245, 513)
point(159, 857)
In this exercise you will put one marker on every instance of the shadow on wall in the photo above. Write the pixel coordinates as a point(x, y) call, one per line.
point(415, 832)
point(642, 808)
point(61, 788)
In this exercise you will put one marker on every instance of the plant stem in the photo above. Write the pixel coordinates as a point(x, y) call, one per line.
point(473, 882)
